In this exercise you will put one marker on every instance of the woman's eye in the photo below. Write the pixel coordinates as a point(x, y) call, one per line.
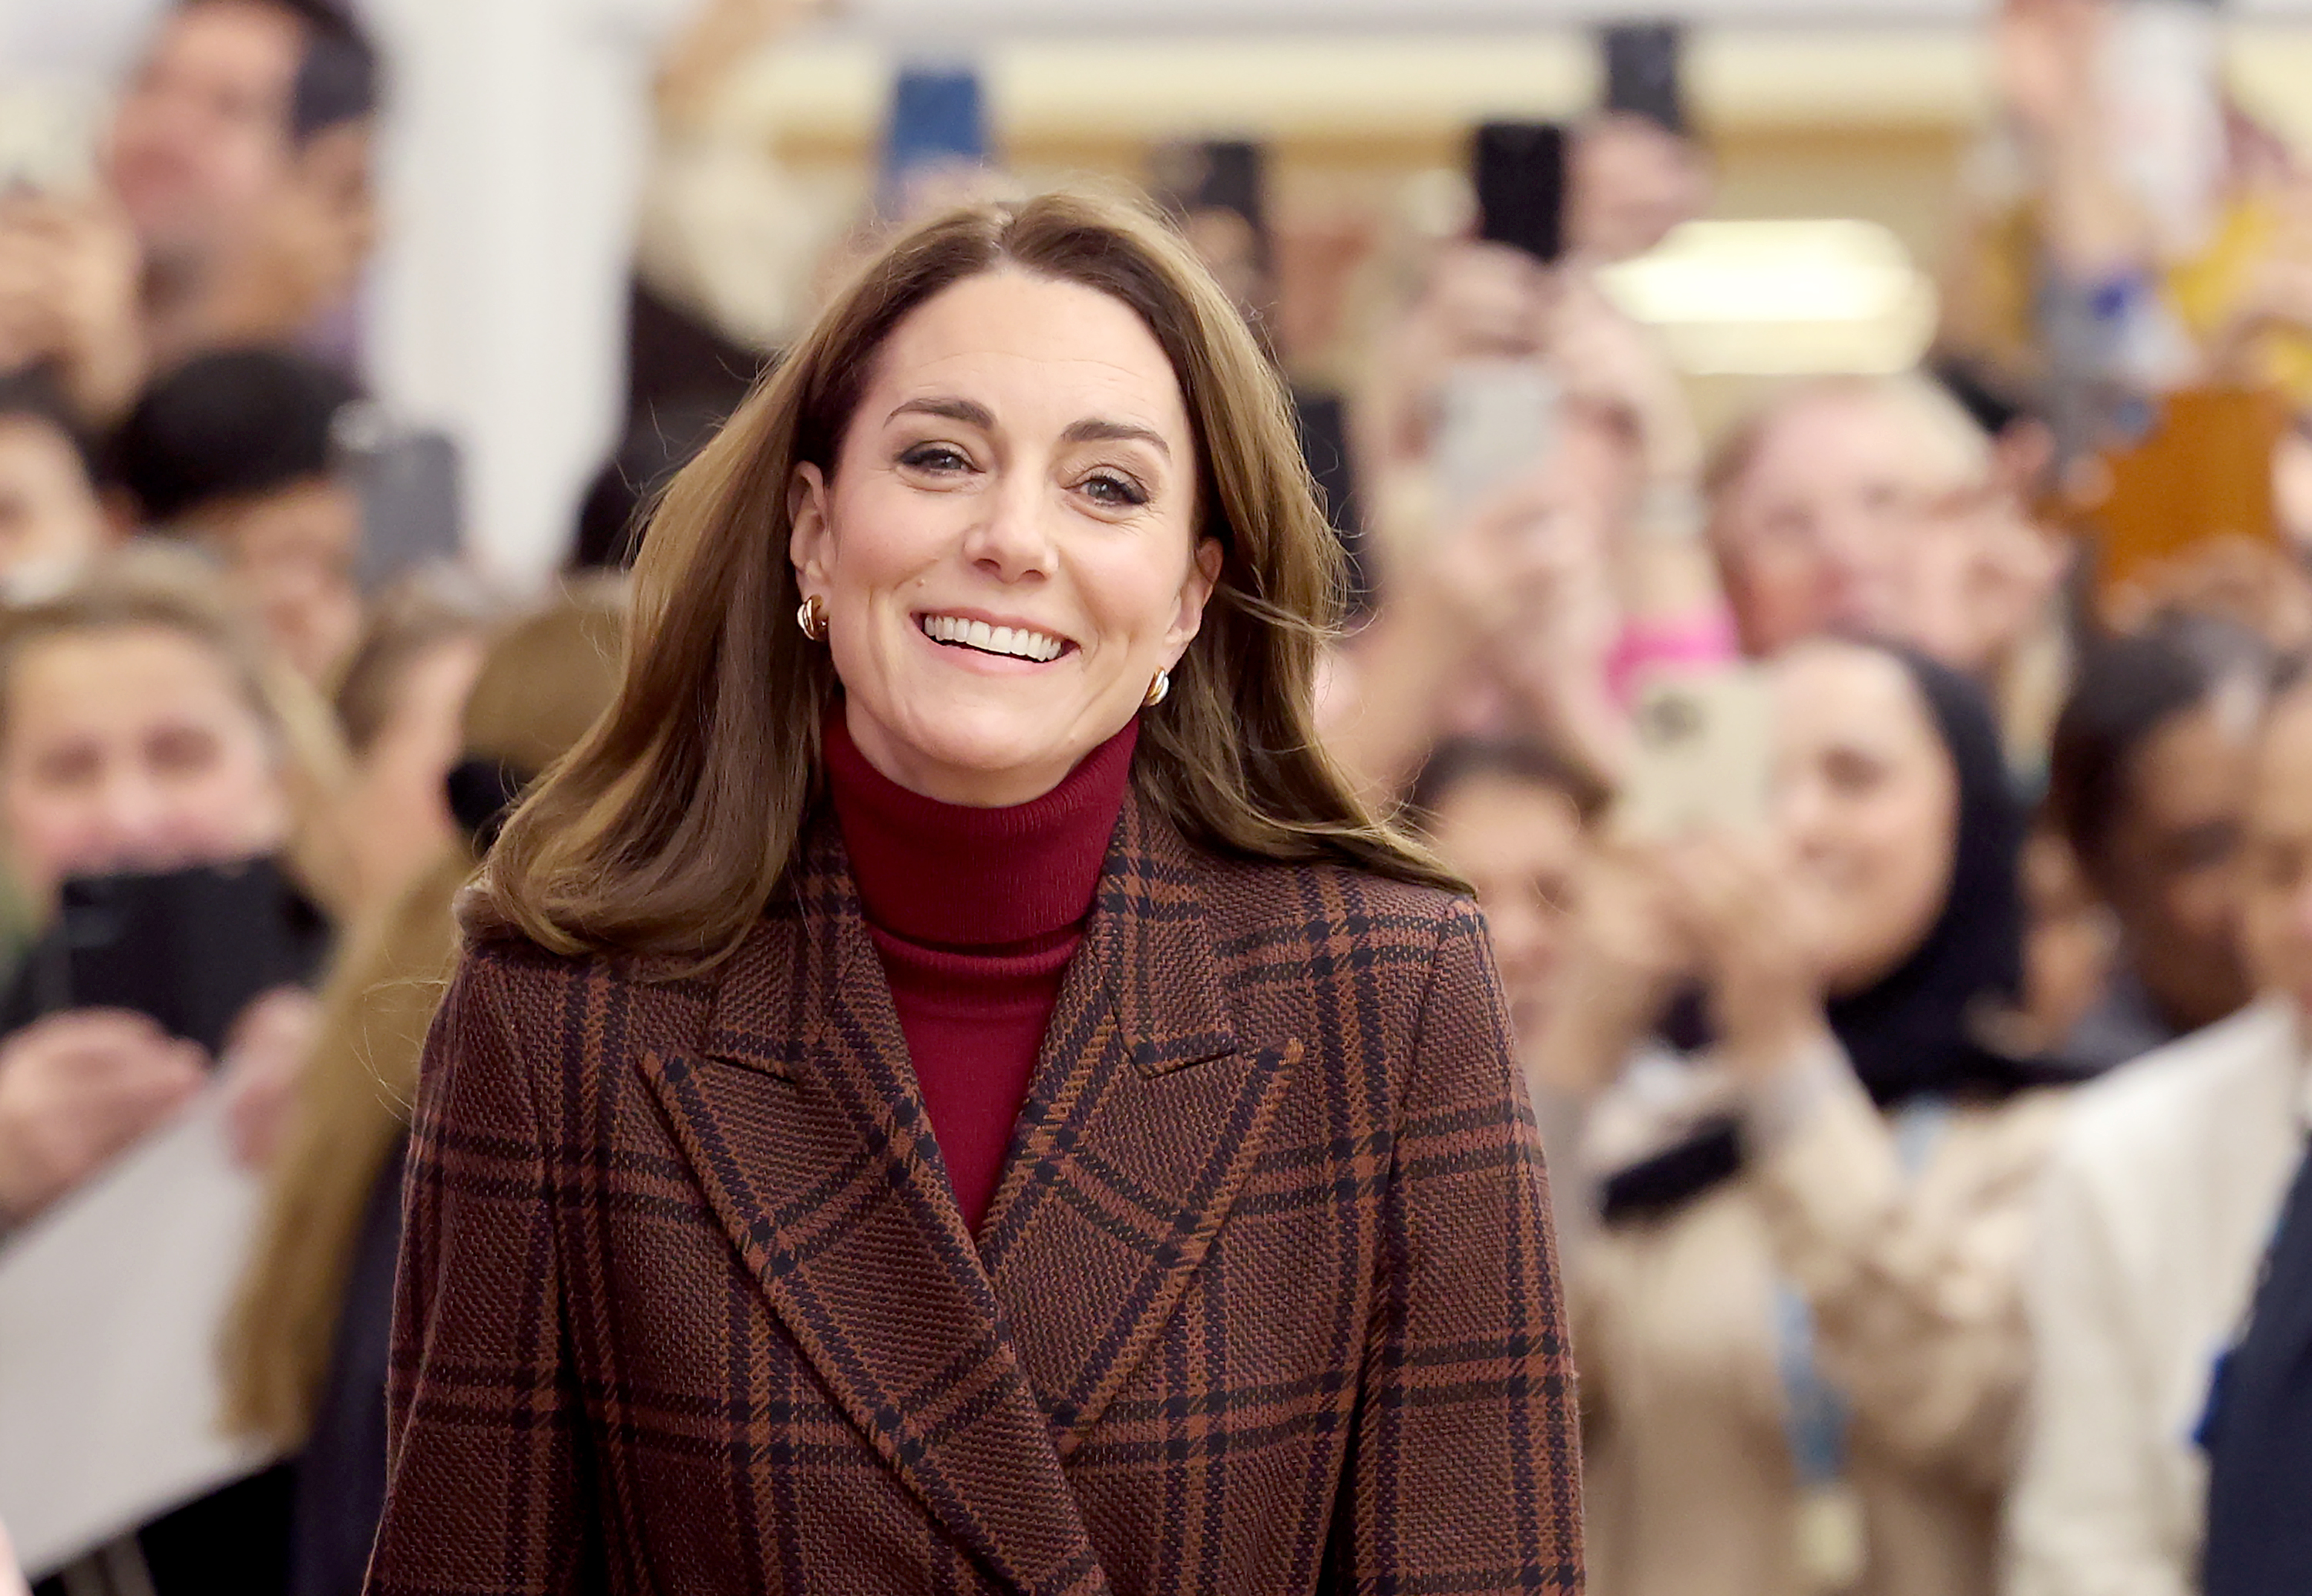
point(1109, 489)
point(935, 457)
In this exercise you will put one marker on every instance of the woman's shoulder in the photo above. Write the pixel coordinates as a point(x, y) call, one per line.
point(535, 991)
point(1334, 897)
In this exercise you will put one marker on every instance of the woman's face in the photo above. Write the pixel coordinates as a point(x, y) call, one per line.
point(1519, 842)
point(131, 748)
point(1867, 799)
point(2169, 865)
point(1007, 553)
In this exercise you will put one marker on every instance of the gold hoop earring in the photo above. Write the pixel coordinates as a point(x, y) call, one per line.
point(811, 616)
point(1158, 690)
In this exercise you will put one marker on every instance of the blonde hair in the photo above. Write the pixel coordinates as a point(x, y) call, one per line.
point(1960, 448)
point(150, 584)
point(669, 827)
point(545, 679)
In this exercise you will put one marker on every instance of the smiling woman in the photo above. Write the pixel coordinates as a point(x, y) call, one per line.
point(949, 1089)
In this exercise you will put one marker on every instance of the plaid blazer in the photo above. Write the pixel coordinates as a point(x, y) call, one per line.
point(1266, 1300)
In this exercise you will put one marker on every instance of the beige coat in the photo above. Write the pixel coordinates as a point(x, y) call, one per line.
point(1915, 1287)
point(2162, 1197)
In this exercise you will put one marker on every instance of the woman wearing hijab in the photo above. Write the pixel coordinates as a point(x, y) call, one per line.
point(1795, 1282)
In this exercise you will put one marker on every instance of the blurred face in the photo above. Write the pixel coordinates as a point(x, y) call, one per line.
point(2277, 895)
point(1866, 797)
point(201, 136)
point(2068, 936)
point(1231, 250)
point(1519, 842)
point(398, 815)
point(292, 553)
point(2169, 868)
point(50, 522)
point(1825, 530)
point(132, 748)
point(1007, 553)
point(1632, 182)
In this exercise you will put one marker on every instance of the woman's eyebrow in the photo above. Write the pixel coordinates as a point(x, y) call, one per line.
point(1094, 429)
point(969, 412)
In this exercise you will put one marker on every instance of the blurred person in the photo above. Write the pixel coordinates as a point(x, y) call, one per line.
point(2135, 230)
point(1512, 818)
point(2158, 1210)
point(1795, 1230)
point(51, 520)
point(1473, 301)
point(1873, 504)
point(1501, 625)
point(2259, 1428)
point(1638, 169)
point(1006, 587)
point(238, 452)
point(397, 705)
point(2071, 940)
point(234, 205)
point(2148, 781)
point(141, 729)
point(305, 1351)
point(1536, 609)
point(1633, 181)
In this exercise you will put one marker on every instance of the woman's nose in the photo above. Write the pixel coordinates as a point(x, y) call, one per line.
point(1012, 540)
point(135, 822)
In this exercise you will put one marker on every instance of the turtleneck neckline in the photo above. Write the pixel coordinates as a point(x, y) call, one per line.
point(946, 876)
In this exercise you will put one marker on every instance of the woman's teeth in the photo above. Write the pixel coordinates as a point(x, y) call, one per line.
point(1018, 642)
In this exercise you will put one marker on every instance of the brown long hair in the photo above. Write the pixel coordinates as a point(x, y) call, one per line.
point(667, 831)
point(546, 678)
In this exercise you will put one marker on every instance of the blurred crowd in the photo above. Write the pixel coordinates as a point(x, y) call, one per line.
point(1925, 1110)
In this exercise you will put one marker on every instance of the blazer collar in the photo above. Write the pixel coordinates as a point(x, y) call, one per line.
point(974, 1365)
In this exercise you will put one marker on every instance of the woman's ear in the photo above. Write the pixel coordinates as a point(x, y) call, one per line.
point(1196, 592)
point(807, 545)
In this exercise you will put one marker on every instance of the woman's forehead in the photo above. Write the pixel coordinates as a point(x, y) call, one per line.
point(1029, 340)
point(1827, 690)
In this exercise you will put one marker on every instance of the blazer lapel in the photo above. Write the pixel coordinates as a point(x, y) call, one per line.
point(816, 1154)
point(1146, 1114)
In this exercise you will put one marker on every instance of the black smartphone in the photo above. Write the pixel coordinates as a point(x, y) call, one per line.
point(408, 482)
point(1519, 172)
point(1643, 72)
point(188, 948)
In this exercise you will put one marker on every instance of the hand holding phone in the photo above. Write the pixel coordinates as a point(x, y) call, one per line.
point(1497, 421)
point(76, 1089)
point(189, 948)
point(1702, 759)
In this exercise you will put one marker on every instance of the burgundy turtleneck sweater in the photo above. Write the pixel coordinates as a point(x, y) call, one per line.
point(975, 912)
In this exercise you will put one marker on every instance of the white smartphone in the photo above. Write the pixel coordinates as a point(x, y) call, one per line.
point(1496, 419)
point(1703, 761)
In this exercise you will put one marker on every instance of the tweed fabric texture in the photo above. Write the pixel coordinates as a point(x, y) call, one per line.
point(1266, 1300)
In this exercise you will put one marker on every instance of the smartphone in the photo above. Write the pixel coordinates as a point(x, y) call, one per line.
point(2200, 472)
point(1643, 75)
point(1704, 752)
point(1519, 169)
point(1496, 420)
point(191, 948)
point(408, 482)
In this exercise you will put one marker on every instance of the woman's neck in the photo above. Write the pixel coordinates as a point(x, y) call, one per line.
point(950, 875)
